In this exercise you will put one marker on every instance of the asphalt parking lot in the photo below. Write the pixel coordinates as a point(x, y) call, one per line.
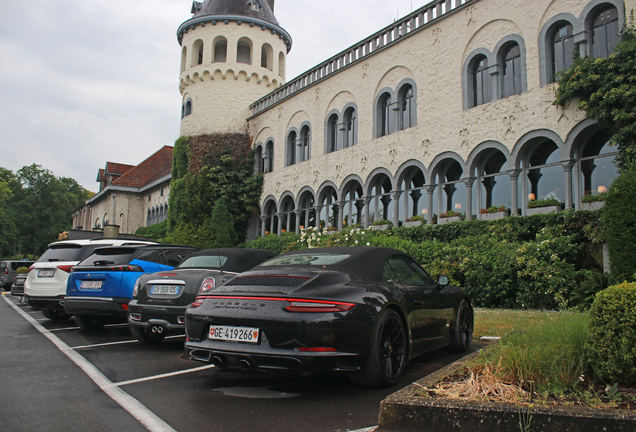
point(55, 377)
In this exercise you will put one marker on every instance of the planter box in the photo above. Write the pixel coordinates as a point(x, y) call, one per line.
point(379, 227)
point(542, 210)
point(494, 215)
point(442, 221)
point(406, 411)
point(596, 205)
point(412, 224)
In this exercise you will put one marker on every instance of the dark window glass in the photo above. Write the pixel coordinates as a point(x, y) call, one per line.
point(385, 114)
point(333, 133)
point(61, 253)
point(304, 151)
point(406, 105)
point(109, 256)
point(482, 92)
point(562, 50)
point(408, 271)
point(291, 149)
point(175, 257)
point(388, 274)
point(605, 33)
point(350, 127)
point(215, 261)
point(512, 71)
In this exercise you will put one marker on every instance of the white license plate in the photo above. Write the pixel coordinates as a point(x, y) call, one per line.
point(234, 334)
point(91, 285)
point(46, 273)
point(164, 289)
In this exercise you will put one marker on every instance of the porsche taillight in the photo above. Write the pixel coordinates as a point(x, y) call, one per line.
point(197, 302)
point(300, 305)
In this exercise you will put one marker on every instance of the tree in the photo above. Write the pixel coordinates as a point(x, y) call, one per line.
point(606, 88)
point(223, 225)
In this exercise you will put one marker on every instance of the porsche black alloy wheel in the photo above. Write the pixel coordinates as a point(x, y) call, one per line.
point(387, 358)
point(464, 328)
point(90, 323)
point(147, 336)
point(54, 315)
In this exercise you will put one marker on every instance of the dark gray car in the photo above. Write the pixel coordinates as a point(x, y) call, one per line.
point(8, 272)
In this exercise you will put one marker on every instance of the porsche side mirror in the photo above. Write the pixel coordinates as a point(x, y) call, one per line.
point(442, 281)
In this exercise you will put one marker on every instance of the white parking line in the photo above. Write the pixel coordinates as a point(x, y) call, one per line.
point(166, 375)
point(146, 417)
point(118, 343)
point(64, 328)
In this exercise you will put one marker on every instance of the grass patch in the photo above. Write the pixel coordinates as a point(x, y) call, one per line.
point(501, 322)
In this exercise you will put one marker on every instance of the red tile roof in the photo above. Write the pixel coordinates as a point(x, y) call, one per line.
point(101, 175)
point(156, 166)
point(113, 168)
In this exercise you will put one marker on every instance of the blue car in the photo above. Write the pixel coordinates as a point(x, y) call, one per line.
point(100, 287)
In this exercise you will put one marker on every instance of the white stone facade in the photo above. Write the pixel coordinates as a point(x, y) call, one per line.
point(469, 123)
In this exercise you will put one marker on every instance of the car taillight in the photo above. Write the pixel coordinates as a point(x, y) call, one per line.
point(66, 268)
point(317, 349)
point(197, 302)
point(125, 268)
point(135, 292)
point(124, 306)
point(299, 305)
point(207, 285)
point(31, 267)
point(6, 271)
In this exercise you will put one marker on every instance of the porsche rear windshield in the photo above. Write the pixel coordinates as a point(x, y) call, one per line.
point(306, 260)
point(109, 256)
point(61, 253)
point(214, 261)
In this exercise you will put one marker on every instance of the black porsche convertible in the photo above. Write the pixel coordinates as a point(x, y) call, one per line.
point(160, 299)
point(361, 310)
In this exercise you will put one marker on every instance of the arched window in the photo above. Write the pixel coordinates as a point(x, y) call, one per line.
point(407, 107)
point(562, 49)
point(332, 133)
point(267, 57)
point(305, 142)
point(605, 32)
point(184, 56)
point(291, 148)
point(511, 77)
point(197, 53)
point(187, 108)
point(384, 115)
point(351, 127)
point(281, 65)
point(258, 160)
point(148, 218)
point(97, 224)
point(268, 157)
point(482, 92)
point(244, 51)
point(220, 50)
point(106, 219)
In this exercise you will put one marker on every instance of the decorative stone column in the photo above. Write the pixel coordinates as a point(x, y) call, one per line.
point(280, 223)
point(263, 225)
point(396, 199)
point(415, 196)
point(469, 197)
point(367, 201)
point(495, 79)
point(386, 200)
point(514, 200)
point(359, 206)
point(318, 211)
point(567, 167)
point(581, 39)
point(298, 215)
point(341, 206)
point(430, 190)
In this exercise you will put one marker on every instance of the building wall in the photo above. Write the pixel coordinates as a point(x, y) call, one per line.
point(434, 59)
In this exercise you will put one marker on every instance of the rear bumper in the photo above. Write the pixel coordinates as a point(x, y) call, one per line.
point(262, 356)
point(101, 306)
point(51, 303)
point(171, 318)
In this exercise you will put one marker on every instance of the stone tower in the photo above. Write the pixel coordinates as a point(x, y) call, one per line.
point(233, 53)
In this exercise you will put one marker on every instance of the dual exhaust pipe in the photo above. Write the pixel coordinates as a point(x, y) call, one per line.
point(221, 363)
point(155, 329)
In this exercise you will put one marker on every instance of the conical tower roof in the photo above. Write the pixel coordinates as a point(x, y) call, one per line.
point(259, 9)
point(257, 13)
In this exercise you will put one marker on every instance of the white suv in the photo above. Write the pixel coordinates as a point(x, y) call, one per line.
point(45, 286)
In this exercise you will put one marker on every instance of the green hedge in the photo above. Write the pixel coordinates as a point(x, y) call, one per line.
point(619, 216)
point(612, 346)
point(157, 232)
point(536, 262)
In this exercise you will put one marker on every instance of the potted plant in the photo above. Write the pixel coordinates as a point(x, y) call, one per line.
point(381, 225)
point(414, 221)
point(494, 212)
point(593, 202)
point(543, 206)
point(450, 216)
point(330, 230)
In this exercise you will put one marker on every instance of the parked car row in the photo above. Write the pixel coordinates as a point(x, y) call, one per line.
point(365, 311)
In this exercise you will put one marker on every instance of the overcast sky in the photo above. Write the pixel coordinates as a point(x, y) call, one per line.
point(83, 82)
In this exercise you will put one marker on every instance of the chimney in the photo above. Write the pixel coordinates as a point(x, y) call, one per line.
point(271, 4)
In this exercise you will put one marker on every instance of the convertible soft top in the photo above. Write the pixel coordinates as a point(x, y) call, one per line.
point(364, 262)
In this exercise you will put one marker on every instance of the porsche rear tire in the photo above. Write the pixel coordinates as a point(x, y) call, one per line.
point(145, 336)
point(464, 327)
point(387, 357)
point(90, 322)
